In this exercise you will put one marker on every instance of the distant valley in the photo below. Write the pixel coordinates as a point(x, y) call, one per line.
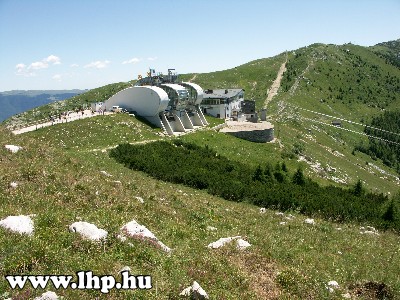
point(18, 101)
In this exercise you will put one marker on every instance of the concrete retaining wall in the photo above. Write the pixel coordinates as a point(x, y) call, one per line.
point(258, 136)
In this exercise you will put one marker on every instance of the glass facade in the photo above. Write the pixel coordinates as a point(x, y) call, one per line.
point(178, 99)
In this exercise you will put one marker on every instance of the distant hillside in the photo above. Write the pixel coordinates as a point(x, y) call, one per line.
point(254, 77)
point(74, 101)
point(322, 83)
point(64, 174)
point(389, 51)
point(14, 102)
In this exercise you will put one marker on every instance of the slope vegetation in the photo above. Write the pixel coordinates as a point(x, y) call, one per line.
point(62, 175)
point(255, 78)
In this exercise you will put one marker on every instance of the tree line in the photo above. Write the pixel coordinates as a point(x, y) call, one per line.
point(267, 186)
point(389, 153)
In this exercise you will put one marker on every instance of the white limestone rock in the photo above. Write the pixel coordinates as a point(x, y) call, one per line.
point(105, 173)
point(134, 230)
point(13, 148)
point(47, 296)
point(369, 230)
point(140, 199)
point(13, 185)
point(242, 244)
point(222, 241)
point(126, 268)
point(20, 224)
point(332, 285)
point(211, 228)
point(309, 221)
point(88, 231)
point(195, 291)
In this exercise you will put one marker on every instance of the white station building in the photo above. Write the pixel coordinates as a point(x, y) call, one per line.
point(162, 100)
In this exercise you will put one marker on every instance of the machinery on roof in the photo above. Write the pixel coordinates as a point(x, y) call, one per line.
point(165, 101)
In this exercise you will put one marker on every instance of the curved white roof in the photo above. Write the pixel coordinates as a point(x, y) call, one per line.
point(174, 86)
point(198, 89)
point(147, 101)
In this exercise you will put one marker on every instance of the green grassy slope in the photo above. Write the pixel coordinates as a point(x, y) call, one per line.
point(348, 82)
point(389, 51)
point(62, 183)
point(254, 77)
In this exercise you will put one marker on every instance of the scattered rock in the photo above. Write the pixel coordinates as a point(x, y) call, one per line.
point(309, 221)
point(186, 292)
point(263, 210)
point(21, 224)
point(140, 199)
point(281, 214)
point(211, 228)
point(88, 231)
point(332, 285)
point(195, 292)
point(222, 241)
point(105, 173)
point(13, 185)
point(134, 230)
point(13, 148)
point(126, 268)
point(369, 230)
point(47, 296)
point(282, 223)
point(242, 244)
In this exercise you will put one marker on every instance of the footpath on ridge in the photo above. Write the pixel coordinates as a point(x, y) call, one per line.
point(73, 116)
point(273, 90)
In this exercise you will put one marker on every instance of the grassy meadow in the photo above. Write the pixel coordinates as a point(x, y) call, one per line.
point(62, 183)
point(59, 178)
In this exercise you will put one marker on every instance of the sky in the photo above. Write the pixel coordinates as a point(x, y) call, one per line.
point(84, 44)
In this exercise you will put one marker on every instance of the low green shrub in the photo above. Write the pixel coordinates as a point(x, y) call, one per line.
point(203, 168)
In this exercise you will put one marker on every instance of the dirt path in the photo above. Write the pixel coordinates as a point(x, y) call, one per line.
point(193, 78)
point(273, 90)
point(71, 117)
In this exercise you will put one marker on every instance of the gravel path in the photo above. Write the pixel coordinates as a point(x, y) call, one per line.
point(276, 84)
point(71, 117)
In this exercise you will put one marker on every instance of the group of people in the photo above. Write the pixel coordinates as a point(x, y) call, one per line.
point(64, 115)
point(101, 111)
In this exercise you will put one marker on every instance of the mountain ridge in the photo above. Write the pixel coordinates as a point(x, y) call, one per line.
point(63, 174)
point(18, 101)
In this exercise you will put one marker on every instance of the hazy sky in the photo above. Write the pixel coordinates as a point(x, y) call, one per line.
point(55, 44)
